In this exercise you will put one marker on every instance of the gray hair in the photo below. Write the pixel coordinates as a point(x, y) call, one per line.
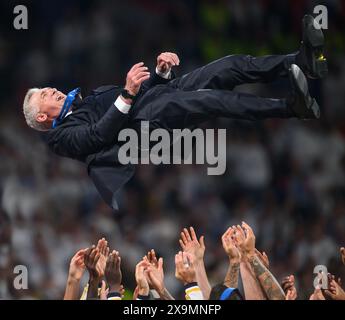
point(31, 111)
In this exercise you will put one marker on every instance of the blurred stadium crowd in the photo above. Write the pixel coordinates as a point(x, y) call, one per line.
point(285, 178)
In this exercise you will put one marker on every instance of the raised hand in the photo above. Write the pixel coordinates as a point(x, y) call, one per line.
point(155, 272)
point(245, 240)
point(113, 273)
point(152, 258)
point(190, 244)
point(77, 266)
point(288, 285)
point(167, 60)
point(317, 295)
point(103, 248)
point(185, 269)
point(135, 77)
point(156, 276)
point(141, 278)
point(335, 291)
point(75, 273)
point(229, 246)
point(103, 295)
point(91, 258)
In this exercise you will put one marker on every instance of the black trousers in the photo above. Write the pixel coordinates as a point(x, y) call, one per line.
point(205, 93)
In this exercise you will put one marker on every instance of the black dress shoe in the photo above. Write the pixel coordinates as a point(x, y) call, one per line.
point(300, 102)
point(311, 56)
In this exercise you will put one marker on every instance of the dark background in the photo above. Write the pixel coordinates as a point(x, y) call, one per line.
point(286, 178)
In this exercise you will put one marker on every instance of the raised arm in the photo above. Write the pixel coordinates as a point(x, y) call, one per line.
point(268, 282)
point(155, 275)
point(186, 273)
point(191, 245)
point(113, 276)
point(163, 73)
point(231, 279)
point(75, 273)
point(288, 285)
point(91, 258)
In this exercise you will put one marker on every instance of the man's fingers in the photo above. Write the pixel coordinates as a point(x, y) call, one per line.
point(137, 65)
point(80, 253)
point(182, 245)
point(96, 258)
point(178, 259)
point(168, 59)
point(184, 238)
point(240, 232)
point(118, 263)
point(138, 70)
point(134, 74)
point(193, 234)
point(160, 264)
point(171, 58)
point(202, 241)
point(87, 254)
point(248, 229)
point(93, 253)
point(187, 235)
point(329, 294)
point(174, 58)
point(104, 286)
point(142, 78)
point(140, 75)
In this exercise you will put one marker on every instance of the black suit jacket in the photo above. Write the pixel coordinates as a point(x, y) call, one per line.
point(90, 133)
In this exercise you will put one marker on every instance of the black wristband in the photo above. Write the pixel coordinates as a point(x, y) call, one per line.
point(127, 95)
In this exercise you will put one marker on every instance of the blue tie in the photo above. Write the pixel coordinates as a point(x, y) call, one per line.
point(66, 107)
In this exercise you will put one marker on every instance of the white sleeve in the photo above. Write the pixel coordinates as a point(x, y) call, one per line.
point(166, 75)
point(121, 105)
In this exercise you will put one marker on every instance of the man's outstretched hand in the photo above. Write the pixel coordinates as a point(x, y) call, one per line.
point(135, 77)
point(167, 60)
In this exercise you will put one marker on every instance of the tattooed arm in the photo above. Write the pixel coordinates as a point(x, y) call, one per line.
point(268, 282)
point(251, 285)
point(231, 278)
point(245, 240)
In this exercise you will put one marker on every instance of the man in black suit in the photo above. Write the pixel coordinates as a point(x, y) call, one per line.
point(87, 129)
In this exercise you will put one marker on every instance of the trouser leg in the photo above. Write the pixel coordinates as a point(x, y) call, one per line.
point(186, 109)
point(231, 71)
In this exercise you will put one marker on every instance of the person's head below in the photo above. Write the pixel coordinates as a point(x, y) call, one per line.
point(222, 292)
point(42, 106)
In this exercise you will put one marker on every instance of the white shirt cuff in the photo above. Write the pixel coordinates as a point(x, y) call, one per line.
point(121, 105)
point(164, 75)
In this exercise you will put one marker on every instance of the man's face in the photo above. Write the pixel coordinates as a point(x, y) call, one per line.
point(49, 102)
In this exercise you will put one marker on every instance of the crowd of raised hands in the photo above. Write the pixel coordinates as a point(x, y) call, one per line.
point(248, 276)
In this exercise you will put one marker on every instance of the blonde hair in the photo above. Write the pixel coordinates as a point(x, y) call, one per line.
point(30, 112)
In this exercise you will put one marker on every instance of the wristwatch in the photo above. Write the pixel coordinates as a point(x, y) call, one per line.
point(127, 95)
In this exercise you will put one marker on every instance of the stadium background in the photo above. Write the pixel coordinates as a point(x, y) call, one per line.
point(285, 178)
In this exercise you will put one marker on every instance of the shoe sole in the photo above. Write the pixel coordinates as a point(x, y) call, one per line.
point(302, 85)
point(313, 37)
